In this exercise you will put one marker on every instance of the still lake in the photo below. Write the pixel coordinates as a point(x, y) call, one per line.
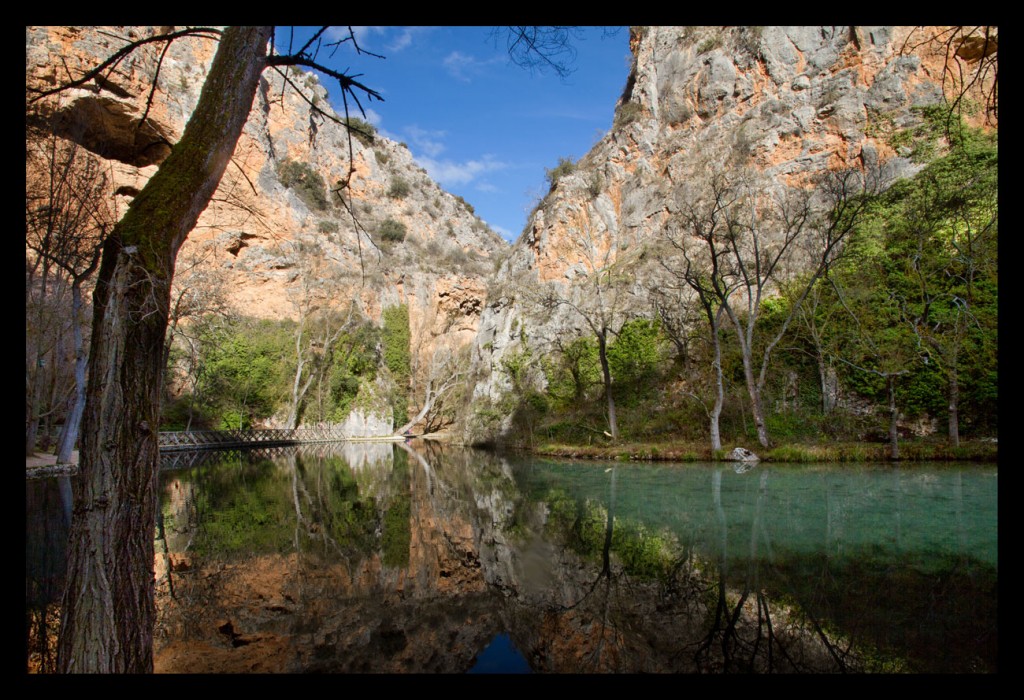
point(427, 558)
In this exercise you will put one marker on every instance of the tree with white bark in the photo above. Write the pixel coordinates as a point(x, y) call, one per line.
point(738, 239)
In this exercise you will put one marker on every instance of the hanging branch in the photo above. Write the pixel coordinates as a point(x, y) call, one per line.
point(115, 58)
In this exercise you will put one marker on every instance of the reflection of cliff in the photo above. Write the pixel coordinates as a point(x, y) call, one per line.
point(416, 564)
point(481, 560)
point(367, 455)
point(330, 603)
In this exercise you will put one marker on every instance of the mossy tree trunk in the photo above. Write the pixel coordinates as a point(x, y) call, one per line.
point(108, 610)
point(606, 375)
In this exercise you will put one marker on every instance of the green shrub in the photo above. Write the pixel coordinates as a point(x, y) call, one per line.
point(395, 339)
point(399, 188)
point(306, 182)
point(327, 226)
point(392, 231)
point(566, 166)
point(364, 131)
point(627, 113)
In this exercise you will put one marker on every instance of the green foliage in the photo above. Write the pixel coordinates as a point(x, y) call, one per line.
point(244, 375)
point(566, 166)
point(246, 368)
point(399, 188)
point(305, 181)
point(937, 130)
point(519, 364)
point(327, 226)
point(362, 130)
point(391, 231)
point(354, 366)
point(395, 338)
point(635, 356)
point(627, 113)
point(247, 515)
point(918, 283)
point(644, 553)
point(396, 531)
point(573, 372)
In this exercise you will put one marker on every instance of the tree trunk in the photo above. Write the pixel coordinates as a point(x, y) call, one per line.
point(894, 433)
point(34, 380)
point(755, 397)
point(298, 391)
point(829, 386)
point(108, 610)
point(69, 433)
point(716, 411)
point(954, 401)
point(602, 346)
point(427, 405)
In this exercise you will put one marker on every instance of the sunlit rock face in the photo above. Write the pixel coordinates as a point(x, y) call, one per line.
point(787, 103)
point(273, 245)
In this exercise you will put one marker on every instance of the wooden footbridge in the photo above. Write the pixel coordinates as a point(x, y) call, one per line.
point(192, 440)
point(180, 449)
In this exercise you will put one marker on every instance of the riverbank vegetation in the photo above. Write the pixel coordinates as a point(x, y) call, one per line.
point(887, 350)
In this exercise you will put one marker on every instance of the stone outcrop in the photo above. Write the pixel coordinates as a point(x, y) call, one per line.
point(371, 416)
point(269, 239)
point(742, 454)
point(787, 103)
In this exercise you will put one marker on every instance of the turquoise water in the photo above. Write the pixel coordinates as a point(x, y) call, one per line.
point(421, 558)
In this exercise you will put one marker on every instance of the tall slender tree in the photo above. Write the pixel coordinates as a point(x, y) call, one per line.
point(108, 611)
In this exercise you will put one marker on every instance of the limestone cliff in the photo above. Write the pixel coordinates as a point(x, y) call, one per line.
point(787, 102)
point(276, 232)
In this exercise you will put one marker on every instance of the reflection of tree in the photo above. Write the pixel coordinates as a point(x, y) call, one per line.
point(47, 525)
point(597, 598)
point(745, 633)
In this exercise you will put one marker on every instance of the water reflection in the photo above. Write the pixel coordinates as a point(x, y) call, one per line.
point(420, 558)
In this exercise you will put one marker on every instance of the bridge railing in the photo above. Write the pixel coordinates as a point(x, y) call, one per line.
point(218, 439)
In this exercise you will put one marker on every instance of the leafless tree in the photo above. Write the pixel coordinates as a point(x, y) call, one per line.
point(69, 209)
point(319, 326)
point(108, 609)
point(600, 291)
point(738, 241)
point(447, 370)
point(970, 64)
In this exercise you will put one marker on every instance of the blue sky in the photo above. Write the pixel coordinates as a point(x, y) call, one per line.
point(482, 127)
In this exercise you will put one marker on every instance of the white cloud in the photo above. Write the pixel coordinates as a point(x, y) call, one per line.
point(465, 68)
point(363, 34)
point(487, 187)
point(428, 142)
point(393, 39)
point(449, 173)
point(373, 117)
point(403, 40)
point(502, 231)
point(459, 65)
